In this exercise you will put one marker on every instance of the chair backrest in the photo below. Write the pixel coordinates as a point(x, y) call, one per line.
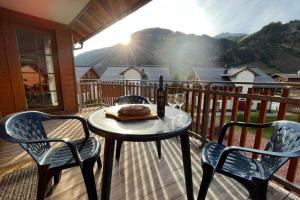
point(25, 126)
point(132, 99)
point(285, 138)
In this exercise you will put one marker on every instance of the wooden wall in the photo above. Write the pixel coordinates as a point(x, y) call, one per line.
point(7, 104)
point(12, 97)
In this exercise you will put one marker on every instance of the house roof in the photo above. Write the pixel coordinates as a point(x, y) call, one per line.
point(217, 74)
point(152, 72)
point(141, 71)
point(289, 76)
point(81, 70)
point(236, 70)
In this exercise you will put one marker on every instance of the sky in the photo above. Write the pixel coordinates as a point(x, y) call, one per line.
point(199, 17)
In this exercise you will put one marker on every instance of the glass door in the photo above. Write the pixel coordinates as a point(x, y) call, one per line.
point(38, 68)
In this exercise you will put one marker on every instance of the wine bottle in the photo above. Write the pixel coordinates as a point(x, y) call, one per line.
point(160, 98)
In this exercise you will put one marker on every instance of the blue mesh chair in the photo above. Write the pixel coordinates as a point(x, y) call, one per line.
point(26, 129)
point(133, 99)
point(253, 174)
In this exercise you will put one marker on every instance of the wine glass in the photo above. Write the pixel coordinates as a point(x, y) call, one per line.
point(171, 100)
point(180, 98)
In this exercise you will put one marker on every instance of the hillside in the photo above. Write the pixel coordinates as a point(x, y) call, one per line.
point(277, 45)
point(274, 48)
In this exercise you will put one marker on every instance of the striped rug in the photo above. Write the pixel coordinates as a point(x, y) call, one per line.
point(20, 184)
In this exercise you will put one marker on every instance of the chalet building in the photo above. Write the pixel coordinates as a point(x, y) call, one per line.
point(37, 42)
point(231, 74)
point(295, 93)
point(86, 72)
point(137, 73)
point(287, 77)
point(235, 74)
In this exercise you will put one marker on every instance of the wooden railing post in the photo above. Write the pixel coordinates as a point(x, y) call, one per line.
point(282, 106)
point(261, 119)
point(247, 112)
point(199, 108)
point(99, 93)
point(234, 110)
point(79, 97)
point(193, 106)
point(205, 113)
point(224, 107)
point(213, 115)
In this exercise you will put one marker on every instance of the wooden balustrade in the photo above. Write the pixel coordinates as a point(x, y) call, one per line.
point(210, 105)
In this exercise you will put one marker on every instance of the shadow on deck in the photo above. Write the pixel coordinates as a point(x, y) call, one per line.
point(139, 174)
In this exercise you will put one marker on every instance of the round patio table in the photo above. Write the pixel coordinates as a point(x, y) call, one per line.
point(175, 123)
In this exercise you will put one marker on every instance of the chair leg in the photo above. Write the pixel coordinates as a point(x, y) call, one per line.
point(43, 179)
point(259, 191)
point(208, 173)
point(158, 146)
point(118, 149)
point(57, 177)
point(99, 163)
point(89, 180)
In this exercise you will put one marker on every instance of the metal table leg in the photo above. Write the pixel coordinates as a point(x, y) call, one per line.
point(186, 157)
point(107, 168)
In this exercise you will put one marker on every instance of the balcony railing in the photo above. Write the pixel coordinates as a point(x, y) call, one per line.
point(211, 104)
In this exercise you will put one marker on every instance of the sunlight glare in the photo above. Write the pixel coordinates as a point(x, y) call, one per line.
point(125, 40)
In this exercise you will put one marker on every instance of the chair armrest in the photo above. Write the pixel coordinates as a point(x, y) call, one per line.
point(81, 119)
point(72, 147)
point(243, 124)
point(230, 149)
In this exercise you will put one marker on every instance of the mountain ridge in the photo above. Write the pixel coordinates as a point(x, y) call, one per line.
point(231, 36)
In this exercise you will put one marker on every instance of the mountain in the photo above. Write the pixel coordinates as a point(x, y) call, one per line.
point(274, 48)
point(235, 37)
point(277, 45)
point(158, 46)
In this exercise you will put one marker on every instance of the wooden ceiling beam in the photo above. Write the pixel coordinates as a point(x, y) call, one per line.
point(99, 14)
point(91, 19)
point(102, 15)
point(79, 31)
point(85, 26)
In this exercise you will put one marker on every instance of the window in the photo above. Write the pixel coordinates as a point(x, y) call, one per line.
point(38, 68)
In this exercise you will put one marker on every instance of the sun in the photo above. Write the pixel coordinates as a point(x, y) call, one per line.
point(125, 40)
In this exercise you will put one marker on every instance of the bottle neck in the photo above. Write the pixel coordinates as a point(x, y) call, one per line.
point(160, 82)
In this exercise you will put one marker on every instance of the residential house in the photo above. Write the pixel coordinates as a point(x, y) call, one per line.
point(86, 72)
point(137, 73)
point(287, 77)
point(231, 74)
point(226, 76)
point(37, 40)
point(295, 93)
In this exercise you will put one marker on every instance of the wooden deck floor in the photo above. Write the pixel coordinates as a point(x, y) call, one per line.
point(139, 174)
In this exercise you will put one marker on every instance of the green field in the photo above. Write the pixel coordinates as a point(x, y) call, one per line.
point(254, 118)
point(270, 117)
